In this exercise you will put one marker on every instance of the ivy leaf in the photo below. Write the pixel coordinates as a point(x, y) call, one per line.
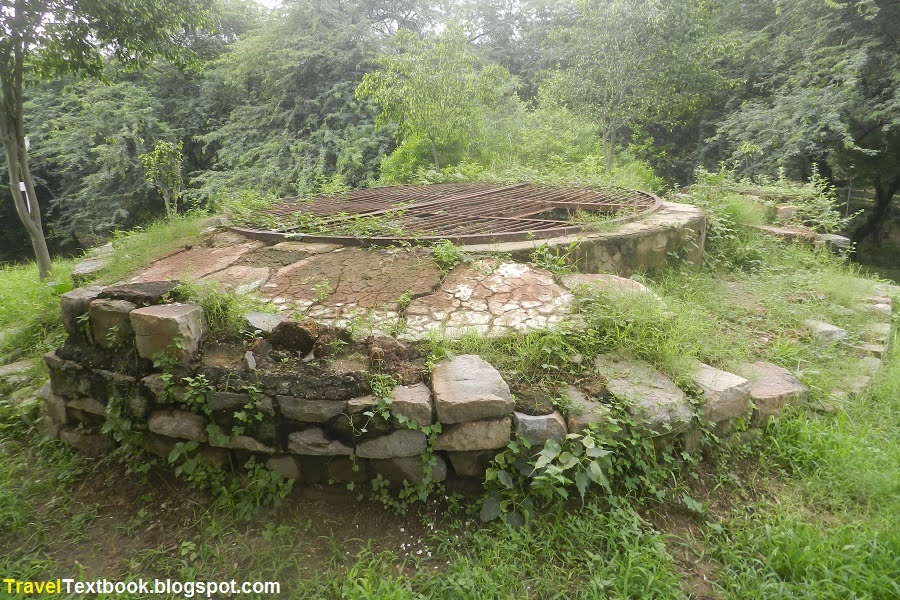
point(490, 509)
point(505, 478)
point(582, 482)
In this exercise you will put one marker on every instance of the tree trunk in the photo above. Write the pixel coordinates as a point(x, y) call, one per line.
point(12, 134)
point(873, 227)
point(434, 154)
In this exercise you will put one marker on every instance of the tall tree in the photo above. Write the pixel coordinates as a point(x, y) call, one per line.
point(51, 38)
point(433, 87)
point(630, 62)
point(822, 88)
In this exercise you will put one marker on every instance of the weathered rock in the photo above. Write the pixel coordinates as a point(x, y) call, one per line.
point(309, 411)
point(864, 349)
point(475, 435)
point(88, 269)
point(231, 401)
point(15, 374)
point(92, 445)
point(870, 364)
point(404, 442)
point(67, 378)
point(825, 333)
point(538, 429)
point(142, 294)
point(467, 388)
point(169, 327)
point(110, 323)
point(877, 332)
point(785, 212)
point(179, 424)
point(471, 464)
point(650, 396)
point(286, 466)
point(88, 405)
point(223, 356)
point(156, 387)
point(411, 469)
point(835, 243)
point(314, 443)
point(298, 337)
point(725, 395)
point(263, 322)
point(53, 412)
point(586, 412)
point(74, 306)
point(771, 389)
point(608, 284)
point(243, 442)
point(413, 402)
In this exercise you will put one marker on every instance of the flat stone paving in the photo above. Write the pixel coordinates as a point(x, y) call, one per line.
point(334, 285)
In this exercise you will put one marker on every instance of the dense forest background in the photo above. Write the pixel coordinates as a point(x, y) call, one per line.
point(323, 95)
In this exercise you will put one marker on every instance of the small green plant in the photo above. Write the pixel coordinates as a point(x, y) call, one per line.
point(322, 290)
point(446, 255)
point(404, 300)
point(196, 395)
point(558, 261)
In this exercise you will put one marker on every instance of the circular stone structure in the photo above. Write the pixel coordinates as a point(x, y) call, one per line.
point(463, 213)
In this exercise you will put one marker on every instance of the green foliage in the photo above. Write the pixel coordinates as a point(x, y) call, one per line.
point(558, 262)
point(163, 169)
point(224, 310)
point(446, 255)
point(434, 90)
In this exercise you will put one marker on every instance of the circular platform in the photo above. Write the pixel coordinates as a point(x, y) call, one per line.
point(463, 213)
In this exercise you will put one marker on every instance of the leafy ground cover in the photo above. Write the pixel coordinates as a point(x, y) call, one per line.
point(808, 509)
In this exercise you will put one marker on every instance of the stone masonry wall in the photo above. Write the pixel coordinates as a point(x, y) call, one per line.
point(135, 355)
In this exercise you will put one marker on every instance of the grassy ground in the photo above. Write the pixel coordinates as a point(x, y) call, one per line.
point(808, 510)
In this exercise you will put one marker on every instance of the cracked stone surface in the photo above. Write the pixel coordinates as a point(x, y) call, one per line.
point(489, 296)
point(335, 286)
point(195, 263)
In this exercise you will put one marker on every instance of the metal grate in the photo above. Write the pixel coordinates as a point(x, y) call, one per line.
point(464, 213)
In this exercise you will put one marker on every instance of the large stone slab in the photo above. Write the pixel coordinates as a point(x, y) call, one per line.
point(537, 429)
point(489, 296)
point(771, 389)
point(476, 435)
point(180, 424)
point(177, 328)
point(348, 283)
point(195, 263)
point(142, 294)
point(314, 442)
point(262, 322)
point(413, 402)
point(825, 333)
point(74, 305)
point(607, 284)
point(404, 442)
point(649, 396)
point(309, 411)
point(582, 411)
point(468, 388)
point(110, 322)
point(725, 395)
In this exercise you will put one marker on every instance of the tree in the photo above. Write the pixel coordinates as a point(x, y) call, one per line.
point(433, 87)
point(822, 88)
point(163, 168)
point(51, 38)
point(630, 62)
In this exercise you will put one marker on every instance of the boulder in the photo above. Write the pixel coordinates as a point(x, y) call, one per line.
point(413, 402)
point(73, 307)
point(165, 328)
point(262, 322)
point(538, 429)
point(650, 397)
point(725, 395)
point(142, 294)
point(179, 424)
point(16, 374)
point(110, 322)
point(287, 466)
point(313, 442)
point(825, 333)
point(467, 388)
point(475, 435)
point(771, 389)
point(404, 442)
point(298, 337)
point(92, 445)
point(309, 411)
